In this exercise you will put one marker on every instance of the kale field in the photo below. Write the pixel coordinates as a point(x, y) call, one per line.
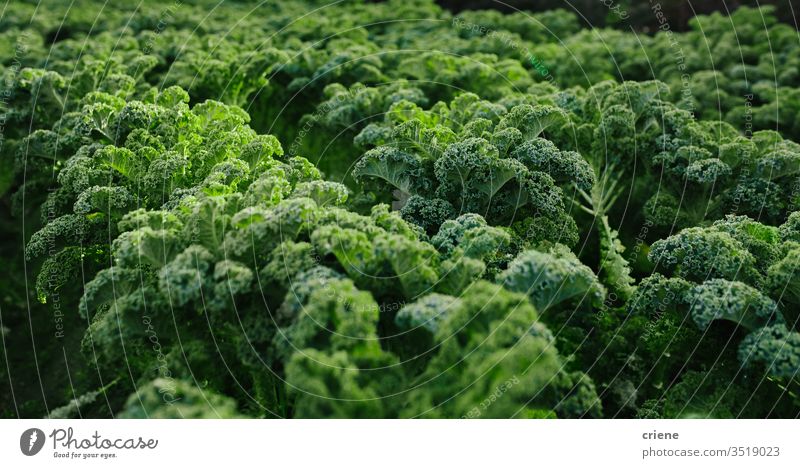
point(352, 209)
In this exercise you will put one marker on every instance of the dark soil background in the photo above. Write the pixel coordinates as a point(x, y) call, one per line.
point(597, 13)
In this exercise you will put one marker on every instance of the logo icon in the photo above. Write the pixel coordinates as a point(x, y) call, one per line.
point(31, 441)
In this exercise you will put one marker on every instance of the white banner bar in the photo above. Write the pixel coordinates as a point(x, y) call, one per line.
point(381, 443)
